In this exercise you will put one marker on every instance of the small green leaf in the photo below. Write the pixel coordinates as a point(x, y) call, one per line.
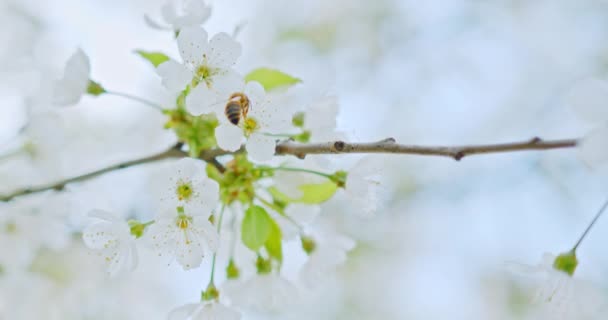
point(317, 193)
point(271, 78)
point(274, 245)
point(256, 227)
point(95, 89)
point(566, 262)
point(155, 58)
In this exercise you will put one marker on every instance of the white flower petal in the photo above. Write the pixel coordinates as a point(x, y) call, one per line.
point(175, 76)
point(228, 82)
point(209, 194)
point(224, 51)
point(255, 91)
point(104, 215)
point(183, 312)
point(192, 44)
point(204, 229)
point(203, 100)
point(70, 88)
point(190, 250)
point(589, 99)
point(593, 149)
point(229, 137)
point(169, 11)
point(302, 213)
point(261, 147)
point(153, 24)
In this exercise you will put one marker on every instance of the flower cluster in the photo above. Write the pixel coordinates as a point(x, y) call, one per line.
point(270, 203)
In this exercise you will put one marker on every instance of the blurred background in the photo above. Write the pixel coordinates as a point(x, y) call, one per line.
point(433, 72)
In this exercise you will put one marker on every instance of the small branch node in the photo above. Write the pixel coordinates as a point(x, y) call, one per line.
point(339, 146)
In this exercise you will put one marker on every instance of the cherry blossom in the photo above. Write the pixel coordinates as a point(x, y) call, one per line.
point(265, 292)
point(179, 14)
point(112, 238)
point(206, 63)
point(183, 235)
point(557, 295)
point(187, 186)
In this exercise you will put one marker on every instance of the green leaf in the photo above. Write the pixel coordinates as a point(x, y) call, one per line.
point(271, 78)
point(256, 227)
point(317, 193)
point(274, 245)
point(155, 58)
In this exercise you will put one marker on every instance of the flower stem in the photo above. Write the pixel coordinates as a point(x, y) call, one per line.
point(597, 216)
point(135, 98)
point(325, 175)
point(219, 229)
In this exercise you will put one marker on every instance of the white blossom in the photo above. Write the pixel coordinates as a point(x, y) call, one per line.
point(111, 236)
point(330, 252)
point(26, 227)
point(179, 14)
point(263, 293)
point(589, 100)
point(557, 295)
point(204, 311)
point(206, 63)
point(69, 89)
point(362, 188)
point(320, 119)
point(183, 235)
point(186, 185)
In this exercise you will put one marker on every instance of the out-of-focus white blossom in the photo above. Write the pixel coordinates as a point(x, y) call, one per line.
point(69, 89)
point(320, 119)
point(557, 295)
point(263, 293)
point(363, 186)
point(330, 251)
point(26, 227)
point(206, 63)
point(589, 99)
point(111, 237)
point(179, 14)
point(204, 311)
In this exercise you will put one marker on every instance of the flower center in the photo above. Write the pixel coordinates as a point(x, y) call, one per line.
point(250, 125)
point(183, 221)
point(184, 191)
point(203, 72)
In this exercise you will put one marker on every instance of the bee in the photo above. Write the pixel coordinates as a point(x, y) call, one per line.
point(237, 108)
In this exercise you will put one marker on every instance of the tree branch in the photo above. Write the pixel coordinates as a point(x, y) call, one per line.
point(391, 146)
point(301, 150)
point(174, 152)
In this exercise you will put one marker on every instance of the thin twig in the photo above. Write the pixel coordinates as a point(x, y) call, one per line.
point(171, 153)
point(333, 147)
point(391, 146)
